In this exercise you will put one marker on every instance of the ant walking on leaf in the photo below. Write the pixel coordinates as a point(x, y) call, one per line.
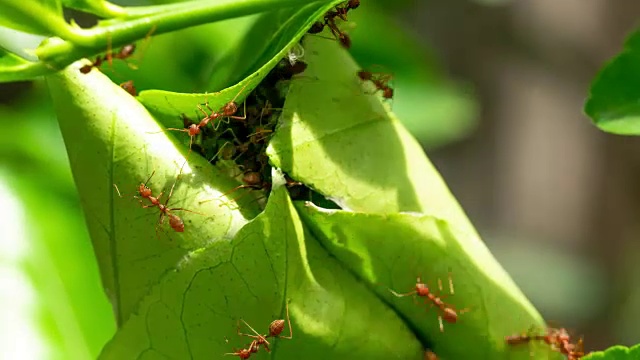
point(339, 11)
point(379, 80)
point(446, 311)
point(228, 110)
point(275, 329)
point(124, 53)
point(558, 339)
point(145, 192)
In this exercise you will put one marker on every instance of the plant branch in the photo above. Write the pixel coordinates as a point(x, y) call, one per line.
point(139, 21)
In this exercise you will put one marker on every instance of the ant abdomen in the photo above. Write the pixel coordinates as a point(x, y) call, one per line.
point(449, 315)
point(176, 223)
point(276, 327)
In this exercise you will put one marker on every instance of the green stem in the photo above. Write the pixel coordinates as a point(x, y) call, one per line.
point(139, 21)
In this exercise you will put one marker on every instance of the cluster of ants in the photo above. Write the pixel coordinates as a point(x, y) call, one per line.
point(239, 141)
point(340, 11)
point(558, 339)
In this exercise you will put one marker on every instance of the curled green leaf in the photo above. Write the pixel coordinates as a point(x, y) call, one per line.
point(391, 251)
point(267, 43)
point(273, 260)
point(112, 139)
point(347, 145)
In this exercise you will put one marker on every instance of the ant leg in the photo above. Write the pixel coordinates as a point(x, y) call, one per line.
point(109, 57)
point(263, 135)
point(288, 322)
point(224, 145)
point(259, 338)
point(220, 121)
point(172, 187)
point(118, 190)
point(144, 47)
point(441, 325)
point(191, 211)
point(206, 115)
point(256, 336)
point(167, 129)
point(402, 295)
point(150, 176)
point(160, 222)
point(450, 284)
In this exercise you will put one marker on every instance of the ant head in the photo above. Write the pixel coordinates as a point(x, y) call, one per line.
point(127, 50)
point(449, 315)
point(144, 191)
point(176, 223)
point(421, 289)
point(129, 87)
point(353, 4)
point(194, 130)
point(365, 75)
point(276, 327)
point(387, 93)
point(86, 69)
point(229, 108)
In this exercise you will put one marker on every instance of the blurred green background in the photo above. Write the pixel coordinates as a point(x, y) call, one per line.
point(492, 89)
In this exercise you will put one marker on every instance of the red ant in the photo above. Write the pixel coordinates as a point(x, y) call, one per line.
point(447, 312)
point(275, 329)
point(329, 20)
point(129, 87)
point(228, 110)
point(145, 192)
point(344, 39)
point(430, 355)
point(381, 82)
point(246, 353)
point(558, 339)
point(124, 53)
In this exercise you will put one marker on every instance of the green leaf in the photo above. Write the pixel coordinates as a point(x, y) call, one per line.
point(14, 67)
point(35, 16)
point(427, 247)
point(347, 145)
point(616, 353)
point(111, 138)
point(272, 260)
point(614, 99)
point(265, 44)
point(434, 109)
point(71, 310)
